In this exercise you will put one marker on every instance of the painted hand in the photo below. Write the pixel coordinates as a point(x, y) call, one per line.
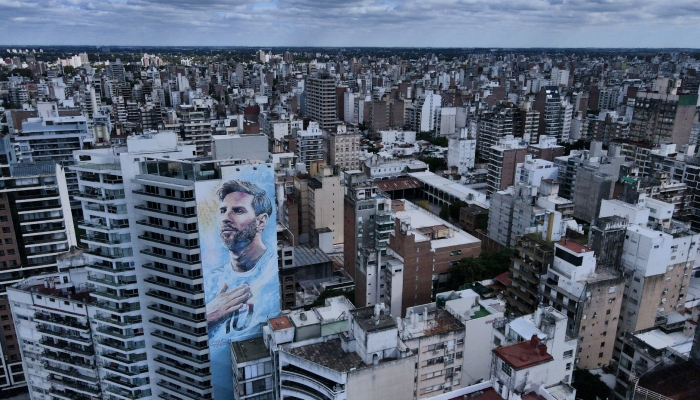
point(226, 303)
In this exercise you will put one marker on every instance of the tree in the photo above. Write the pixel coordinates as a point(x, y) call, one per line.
point(441, 141)
point(423, 204)
point(487, 266)
point(589, 386)
point(68, 69)
point(445, 212)
point(321, 299)
point(455, 207)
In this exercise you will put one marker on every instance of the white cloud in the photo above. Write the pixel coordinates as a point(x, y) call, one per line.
point(459, 23)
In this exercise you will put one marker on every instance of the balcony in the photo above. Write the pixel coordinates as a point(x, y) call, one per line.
point(164, 257)
point(125, 371)
point(127, 308)
point(119, 381)
point(116, 297)
point(182, 367)
point(116, 334)
point(299, 377)
point(68, 361)
point(110, 282)
point(62, 394)
point(161, 196)
point(169, 299)
point(67, 347)
point(127, 394)
point(118, 357)
point(188, 330)
point(174, 214)
point(184, 316)
point(180, 391)
point(120, 346)
point(85, 389)
point(71, 373)
point(98, 197)
point(172, 273)
point(185, 231)
point(63, 334)
point(190, 382)
point(62, 322)
point(89, 224)
point(102, 240)
point(178, 245)
point(181, 354)
point(109, 268)
point(112, 321)
point(193, 346)
point(173, 287)
point(99, 253)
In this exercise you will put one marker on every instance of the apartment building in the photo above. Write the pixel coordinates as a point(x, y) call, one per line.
point(37, 225)
point(590, 297)
point(325, 197)
point(422, 248)
point(461, 152)
point(51, 314)
point(321, 99)
point(533, 256)
point(502, 163)
point(344, 149)
point(338, 352)
point(309, 145)
point(533, 353)
point(663, 117)
point(195, 127)
point(51, 138)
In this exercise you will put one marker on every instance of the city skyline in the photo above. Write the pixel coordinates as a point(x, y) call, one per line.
point(552, 23)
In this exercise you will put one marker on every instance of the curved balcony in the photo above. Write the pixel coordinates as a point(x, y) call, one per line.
point(300, 378)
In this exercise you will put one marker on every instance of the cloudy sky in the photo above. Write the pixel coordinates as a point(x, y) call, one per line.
point(452, 23)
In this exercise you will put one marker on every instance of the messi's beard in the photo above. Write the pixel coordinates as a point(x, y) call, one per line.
point(240, 239)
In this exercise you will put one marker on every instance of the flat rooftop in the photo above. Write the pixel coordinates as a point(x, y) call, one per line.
point(573, 246)
point(421, 219)
point(250, 350)
point(679, 381)
point(523, 355)
point(330, 355)
point(365, 318)
point(280, 323)
point(307, 255)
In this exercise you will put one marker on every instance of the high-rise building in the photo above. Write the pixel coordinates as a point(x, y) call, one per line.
point(548, 104)
point(37, 225)
point(196, 128)
point(461, 151)
point(660, 117)
point(321, 100)
point(309, 145)
point(532, 258)
point(326, 205)
point(589, 296)
point(344, 148)
point(503, 160)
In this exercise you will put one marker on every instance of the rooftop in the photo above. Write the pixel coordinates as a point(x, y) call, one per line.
point(524, 354)
point(280, 323)
point(307, 255)
point(250, 350)
point(389, 185)
point(420, 218)
point(486, 394)
point(679, 381)
point(365, 318)
point(330, 355)
point(573, 246)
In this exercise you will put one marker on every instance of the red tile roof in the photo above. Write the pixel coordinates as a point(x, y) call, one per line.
point(504, 278)
point(486, 394)
point(573, 246)
point(524, 354)
point(280, 323)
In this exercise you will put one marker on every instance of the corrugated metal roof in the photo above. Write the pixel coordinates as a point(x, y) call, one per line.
point(32, 169)
point(307, 255)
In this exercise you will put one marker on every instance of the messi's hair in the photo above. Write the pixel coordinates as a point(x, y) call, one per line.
point(261, 203)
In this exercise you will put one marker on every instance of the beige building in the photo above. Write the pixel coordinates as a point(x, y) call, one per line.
point(325, 199)
point(344, 149)
point(590, 297)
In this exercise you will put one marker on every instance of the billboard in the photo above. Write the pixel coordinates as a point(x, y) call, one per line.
point(238, 240)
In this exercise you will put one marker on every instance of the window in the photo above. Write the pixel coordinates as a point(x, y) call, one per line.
point(568, 366)
point(600, 355)
point(506, 368)
point(568, 354)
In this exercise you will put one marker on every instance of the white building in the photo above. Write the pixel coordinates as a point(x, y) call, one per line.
point(534, 170)
point(461, 151)
point(535, 353)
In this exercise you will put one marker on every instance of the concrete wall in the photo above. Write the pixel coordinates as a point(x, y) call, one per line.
point(388, 380)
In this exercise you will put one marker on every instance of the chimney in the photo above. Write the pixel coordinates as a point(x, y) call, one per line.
point(534, 341)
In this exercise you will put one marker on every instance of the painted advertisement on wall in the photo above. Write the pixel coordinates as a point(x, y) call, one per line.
point(238, 239)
